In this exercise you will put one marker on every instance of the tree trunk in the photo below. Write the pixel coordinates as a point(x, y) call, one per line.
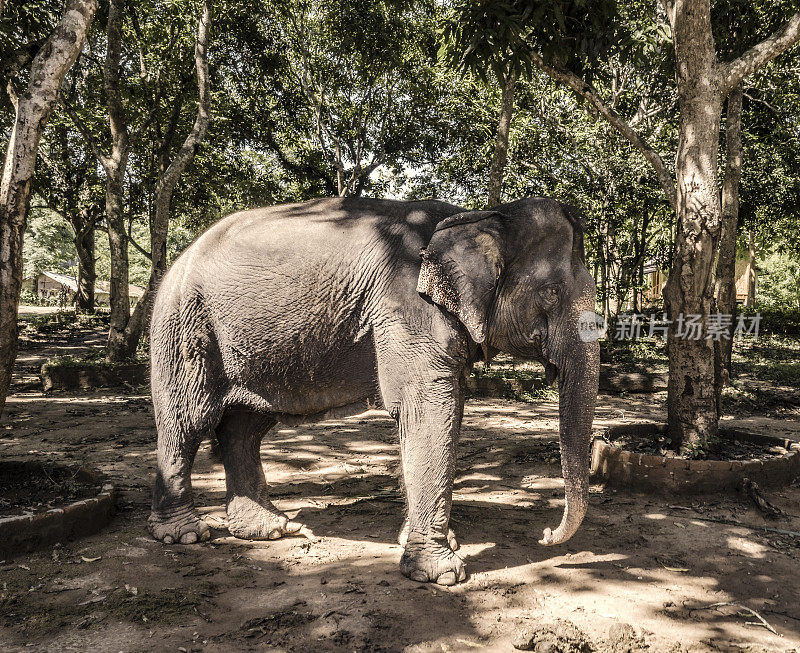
point(640, 261)
point(725, 290)
point(500, 156)
point(751, 271)
point(33, 109)
point(119, 297)
point(84, 246)
point(159, 230)
point(691, 400)
point(115, 167)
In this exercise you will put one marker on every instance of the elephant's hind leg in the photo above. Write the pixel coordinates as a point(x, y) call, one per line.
point(174, 517)
point(251, 515)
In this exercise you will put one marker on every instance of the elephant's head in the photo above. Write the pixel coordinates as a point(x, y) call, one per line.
point(515, 277)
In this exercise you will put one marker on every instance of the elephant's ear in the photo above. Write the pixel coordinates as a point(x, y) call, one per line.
point(461, 267)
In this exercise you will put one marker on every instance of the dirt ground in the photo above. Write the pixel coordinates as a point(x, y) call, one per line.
point(664, 565)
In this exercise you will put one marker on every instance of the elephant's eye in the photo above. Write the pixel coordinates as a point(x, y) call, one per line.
point(549, 295)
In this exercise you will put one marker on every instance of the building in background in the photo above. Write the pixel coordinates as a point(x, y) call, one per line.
point(746, 275)
point(54, 287)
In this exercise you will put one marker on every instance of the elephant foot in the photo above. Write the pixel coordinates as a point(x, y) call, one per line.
point(402, 536)
point(182, 525)
point(251, 520)
point(426, 560)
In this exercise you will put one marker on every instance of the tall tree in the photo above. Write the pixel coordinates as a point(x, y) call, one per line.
point(134, 104)
point(170, 173)
point(473, 39)
point(114, 165)
point(67, 182)
point(482, 37)
point(356, 72)
point(703, 83)
point(33, 108)
point(725, 282)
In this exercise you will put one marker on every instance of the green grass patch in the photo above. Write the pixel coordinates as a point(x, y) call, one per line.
point(772, 358)
point(63, 320)
point(93, 360)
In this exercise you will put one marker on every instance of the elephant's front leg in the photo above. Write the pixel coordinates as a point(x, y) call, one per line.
point(402, 536)
point(429, 418)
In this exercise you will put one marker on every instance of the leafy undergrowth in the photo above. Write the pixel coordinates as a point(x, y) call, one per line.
point(633, 355)
point(63, 321)
point(507, 367)
point(510, 369)
point(22, 490)
point(722, 448)
point(94, 359)
point(770, 358)
point(766, 376)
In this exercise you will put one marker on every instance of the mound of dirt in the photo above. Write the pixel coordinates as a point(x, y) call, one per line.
point(622, 638)
point(558, 637)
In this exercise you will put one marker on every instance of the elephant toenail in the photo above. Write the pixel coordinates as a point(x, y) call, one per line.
point(188, 538)
point(419, 576)
point(462, 574)
point(168, 539)
point(447, 578)
point(293, 527)
point(274, 535)
point(205, 536)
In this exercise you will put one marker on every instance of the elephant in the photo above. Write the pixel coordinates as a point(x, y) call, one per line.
point(300, 312)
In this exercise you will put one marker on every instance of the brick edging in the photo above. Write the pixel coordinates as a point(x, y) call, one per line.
point(57, 376)
point(25, 533)
point(624, 469)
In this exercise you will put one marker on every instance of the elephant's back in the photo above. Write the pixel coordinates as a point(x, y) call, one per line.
point(317, 227)
point(305, 245)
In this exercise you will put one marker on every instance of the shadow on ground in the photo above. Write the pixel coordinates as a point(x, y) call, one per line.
point(655, 562)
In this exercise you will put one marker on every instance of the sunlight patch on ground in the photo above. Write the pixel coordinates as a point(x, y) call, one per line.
point(748, 547)
point(535, 482)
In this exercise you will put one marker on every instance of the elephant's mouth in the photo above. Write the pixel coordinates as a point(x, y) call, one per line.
point(540, 348)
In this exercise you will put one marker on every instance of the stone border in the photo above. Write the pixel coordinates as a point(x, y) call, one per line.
point(25, 533)
point(611, 381)
point(74, 376)
point(624, 469)
point(498, 387)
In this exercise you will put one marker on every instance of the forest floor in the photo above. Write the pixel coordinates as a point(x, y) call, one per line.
point(665, 565)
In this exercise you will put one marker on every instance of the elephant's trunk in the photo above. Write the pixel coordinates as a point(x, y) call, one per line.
point(578, 375)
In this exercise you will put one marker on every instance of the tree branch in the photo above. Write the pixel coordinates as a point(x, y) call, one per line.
point(735, 71)
point(116, 110)
point(588, 93)
point(298, 168)
point(102, 159)
point(203, 117)
point(92, 215)
point(136, 245)
point(769, 106)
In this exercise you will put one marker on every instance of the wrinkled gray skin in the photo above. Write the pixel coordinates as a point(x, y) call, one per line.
point(299, 312)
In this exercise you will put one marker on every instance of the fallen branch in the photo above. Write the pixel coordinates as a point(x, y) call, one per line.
point(754, 492)
point(763, 622)
point(733, 522)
